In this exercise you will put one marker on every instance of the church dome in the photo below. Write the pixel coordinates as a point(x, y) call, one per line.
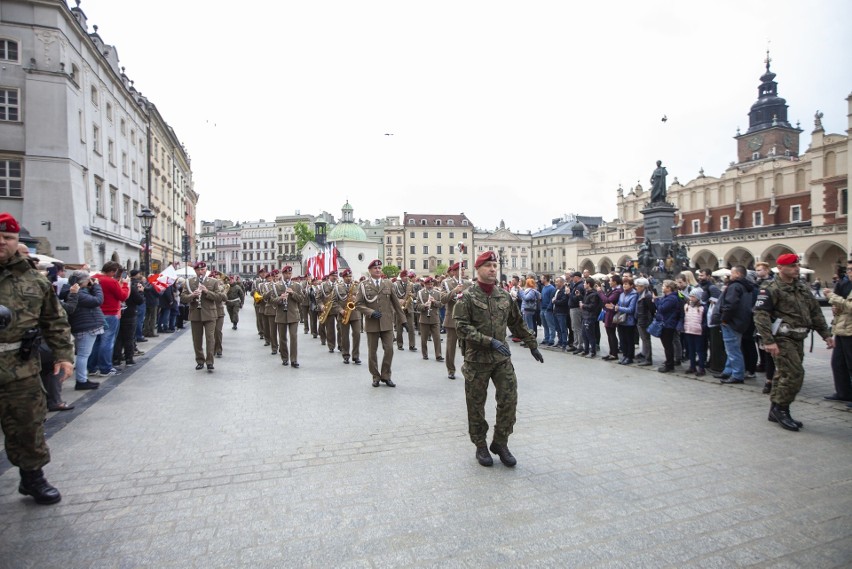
point(347, 231)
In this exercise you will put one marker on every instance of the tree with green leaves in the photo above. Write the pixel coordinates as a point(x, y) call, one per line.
point(303, 235)
point(390, 271)
point(441, 269)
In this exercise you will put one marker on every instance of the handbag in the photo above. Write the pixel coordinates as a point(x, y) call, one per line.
point(619, 318)
point(655, 328)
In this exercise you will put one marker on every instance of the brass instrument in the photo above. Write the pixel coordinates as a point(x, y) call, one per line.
point(286, 295)
point(328, 302)
point(409, 298)
point(428, 304)
point(350, 305)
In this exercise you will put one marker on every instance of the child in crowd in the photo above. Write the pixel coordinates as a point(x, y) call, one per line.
point(694, 332)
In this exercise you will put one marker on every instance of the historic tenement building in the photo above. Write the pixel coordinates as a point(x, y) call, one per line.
point(430, 240)
point(514, 250)
point(75, 142)
point(772, 200)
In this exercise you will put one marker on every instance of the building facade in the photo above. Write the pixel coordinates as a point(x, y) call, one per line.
point(258, 240)
point(287, 241)
point(228, 249)
point(430, 240)
point(514, 250)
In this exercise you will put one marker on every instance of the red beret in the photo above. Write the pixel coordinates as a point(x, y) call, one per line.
point(331, 273)
point(275, 272)
point(261, 271)
point(199, 265)
point(374, 263)
point(411, 274)
point(345, 273)
point(8, 224)
point(428, 280)
point(453, 267)
point(787, 259)
point(486, 257)
point(287, 269)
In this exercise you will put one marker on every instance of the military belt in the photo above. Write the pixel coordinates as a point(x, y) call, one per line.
point(10, 347)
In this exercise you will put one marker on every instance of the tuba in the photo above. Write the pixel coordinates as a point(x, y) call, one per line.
point(350, 305)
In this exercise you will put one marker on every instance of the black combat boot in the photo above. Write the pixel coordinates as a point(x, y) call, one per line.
point(33, 484)
point(781, 414)
point(483, 456)
point(799, 424)
point(503, 452)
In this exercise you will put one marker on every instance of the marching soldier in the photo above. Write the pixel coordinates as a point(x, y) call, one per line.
point(257, 294)
point(451, 292)
point(270, 309)
point(220, 312)
point(287, 300)
point(482, 315)
point(326, 295)
point(236, 298)
point(350, 332)
point(313, 309)
point(377, 302)
point(30, 309)
point(430, 320)
point(202, 294)
point(404, 291)
point(305, 305)
point(784, 313)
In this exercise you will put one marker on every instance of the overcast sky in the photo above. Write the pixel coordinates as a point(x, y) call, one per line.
point(521, 111)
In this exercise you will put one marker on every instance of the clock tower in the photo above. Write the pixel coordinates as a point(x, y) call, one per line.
point(769, 134)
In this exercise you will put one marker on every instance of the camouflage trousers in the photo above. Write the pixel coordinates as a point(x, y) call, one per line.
point(789, 372)
point(23, 408)
point(476, 379)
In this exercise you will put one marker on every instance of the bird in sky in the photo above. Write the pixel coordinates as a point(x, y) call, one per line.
point(664, 119)
point(388, 134)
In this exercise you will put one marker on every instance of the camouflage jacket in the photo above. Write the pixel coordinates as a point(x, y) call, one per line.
point(793, 303)
point(480, 317)
point(34, 304)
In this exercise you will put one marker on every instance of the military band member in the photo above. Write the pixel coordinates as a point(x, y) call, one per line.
point(350, 333)
point(482, 315)
point(784, 313)
point(236, 298)
point(270, 309)
point(202, 294)
point(416, 286)
point(288, 296)
point(377, 302)
point(305, 305)
point(313, 309)
point(403, 288)
point(430, 319)
point(220, 313)
point(451, 291)
point(326, 294)
point(258, 284)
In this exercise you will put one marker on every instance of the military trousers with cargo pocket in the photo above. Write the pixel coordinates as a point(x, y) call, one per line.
point(789, 372)
point(23, 407)
point(476, 379)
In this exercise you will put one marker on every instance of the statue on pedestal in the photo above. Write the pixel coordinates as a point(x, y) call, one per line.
point(645, 256)
point(658, 184)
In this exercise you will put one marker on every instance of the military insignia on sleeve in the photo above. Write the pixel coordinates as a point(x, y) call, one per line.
point(764, 301)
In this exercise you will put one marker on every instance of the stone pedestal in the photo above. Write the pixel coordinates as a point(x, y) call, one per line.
point(659, 219)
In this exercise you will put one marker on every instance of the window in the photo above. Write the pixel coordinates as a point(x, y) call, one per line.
point(127, 210)
point(10, 109)
point(411, 235)
point(425, 249)
point(111, 151)
point(725, 223)
point(437, 222)
point(74, 72)
point(696, 226)
point(94, 95)
point(11, 179)
point(464, 222)
point(133, 170)
point(133, 137)
point(411, 250)
point(411, 265)
point(450, 222)
point(135, 219)
point(757, 218)
point(411, 222)
point(398, 240)
point(422, 222)
point(438, 252)
point(426, 264)
point(109, 111)
point(795, 213)
point(843, 202)
point(9, 50)
point(124, 163)
point(620, 234)
point(464, 235)
point(390, 239)
point(398, 251)
point(99, 197)
point(96, 139)
point(452, 249)
point(123, 127)
point(113, 203)
point(439, 235)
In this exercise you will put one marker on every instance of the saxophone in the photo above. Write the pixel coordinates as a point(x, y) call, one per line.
point(350, 305)
point(409, 298)
point(326, 309)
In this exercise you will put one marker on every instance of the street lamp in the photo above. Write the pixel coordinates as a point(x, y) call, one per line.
point(146, 217)
point(502, 262)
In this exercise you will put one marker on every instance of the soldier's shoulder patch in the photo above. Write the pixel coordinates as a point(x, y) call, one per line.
point(763, 300)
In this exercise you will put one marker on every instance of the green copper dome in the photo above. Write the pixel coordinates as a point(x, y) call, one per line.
point(347, 231)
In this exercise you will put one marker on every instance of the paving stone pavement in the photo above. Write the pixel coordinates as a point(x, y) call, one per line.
point(260, 465)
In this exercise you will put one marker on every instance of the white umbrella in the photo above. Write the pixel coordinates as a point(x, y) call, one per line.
point(721, 273)
point(802, 271)
point(600, 276)
point(46, 261)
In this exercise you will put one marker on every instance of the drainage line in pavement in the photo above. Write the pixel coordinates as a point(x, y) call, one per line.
point(63, 418)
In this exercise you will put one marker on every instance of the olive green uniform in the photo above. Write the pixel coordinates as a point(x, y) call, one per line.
point(287, 317)
point(799, 312)
point(449, 298)
point(203, 312)
point(350, 333)
point(404, 291)
point(479, 318)
point(236, 298)
point(23, 406)
point(430, 321)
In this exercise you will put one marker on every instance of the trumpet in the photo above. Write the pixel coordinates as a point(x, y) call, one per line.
point(285, 295)
point(350, 305)
point(428, 304)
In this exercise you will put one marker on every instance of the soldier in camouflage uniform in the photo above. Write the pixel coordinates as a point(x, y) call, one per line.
point(784, 313)
point(31, 308)
point(482, 315)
